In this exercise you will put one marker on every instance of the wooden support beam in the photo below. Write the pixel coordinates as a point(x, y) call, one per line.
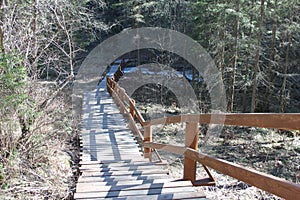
point(191, 141)
point(148, 138)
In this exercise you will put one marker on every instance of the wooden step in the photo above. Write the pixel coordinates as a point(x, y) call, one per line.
point(121, 178)
point(167, 196)
point(132, 182)
point(93, 172)
point(139, 192)
point(125, 162)
point(95, 187)
point(112, 165)
point(118, 168)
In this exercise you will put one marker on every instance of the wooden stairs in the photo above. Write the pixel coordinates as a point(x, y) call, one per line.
point(112, 165)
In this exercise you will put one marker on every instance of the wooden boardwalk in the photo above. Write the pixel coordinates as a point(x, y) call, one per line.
point(112, 165)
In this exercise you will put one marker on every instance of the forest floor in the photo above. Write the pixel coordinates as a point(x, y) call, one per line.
point(45, 164)
point(266, 150)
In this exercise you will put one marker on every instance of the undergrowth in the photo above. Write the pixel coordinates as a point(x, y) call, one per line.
point(36, 156)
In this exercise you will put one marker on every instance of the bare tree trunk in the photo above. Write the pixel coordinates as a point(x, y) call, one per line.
point(284, 82)
point(257, 56)
point(69, 35)
point(234, 60)
point(271, 61)
point(221, 49)
point(34, 70)
point(285, 69)
point(248, 63)
point(1, 27)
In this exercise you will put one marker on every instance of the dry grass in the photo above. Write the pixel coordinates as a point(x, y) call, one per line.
point(41, 165)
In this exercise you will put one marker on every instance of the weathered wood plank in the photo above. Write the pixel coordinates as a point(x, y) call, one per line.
point(174, 196)
point(126, 162)
point(132, 182)
point(121, 178)
point(93, 172)
point(95, 187)
point(120, 168)
point(132, 192)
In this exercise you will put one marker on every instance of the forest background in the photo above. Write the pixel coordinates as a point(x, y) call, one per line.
point(255, 45)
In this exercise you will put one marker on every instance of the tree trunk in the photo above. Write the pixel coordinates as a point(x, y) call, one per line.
point(34, 70)
point(257, 56)
point(234, 60)
point(271, 61)
point(248, 62)
point(284, 82)
point(221, 49)
point(1, 28)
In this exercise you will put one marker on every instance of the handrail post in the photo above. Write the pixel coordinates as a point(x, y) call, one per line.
point(108, 85)
point(191, 141)
point(122, 98)
point(131, 107)
point(148, 138)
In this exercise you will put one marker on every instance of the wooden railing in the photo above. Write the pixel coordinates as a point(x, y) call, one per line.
point(127, 106)
point(192, 156)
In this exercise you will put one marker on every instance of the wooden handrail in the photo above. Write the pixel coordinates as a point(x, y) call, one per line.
point(121, 97)
point(269, 183)
point(290, 121)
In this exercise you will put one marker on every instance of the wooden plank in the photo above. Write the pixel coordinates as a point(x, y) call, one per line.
point(95, 187)
point(131, 168)
point(197, 196)
point(103, 157)
point(121, 178)
point(132, 192)
point(123, 146)
point(126, 162)
point(179, 150)
point(115, 161)
point(167, 196)
point(95, 172)
point(288, 121)
point(133, 182)
point(109, 158)
point(109, 150)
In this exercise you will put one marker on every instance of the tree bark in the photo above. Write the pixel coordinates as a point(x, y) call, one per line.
point(285, 69)
point(271, 61)
point(248, 62)
point(257, 56)
point(1, 27)
point(34, 69)
point(230, 105)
